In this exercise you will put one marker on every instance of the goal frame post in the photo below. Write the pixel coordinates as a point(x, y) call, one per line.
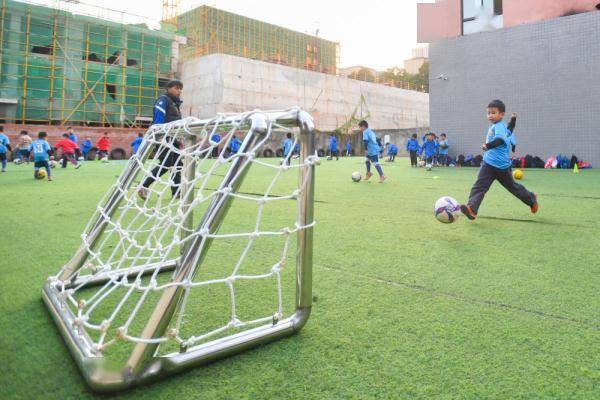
point(143, 364)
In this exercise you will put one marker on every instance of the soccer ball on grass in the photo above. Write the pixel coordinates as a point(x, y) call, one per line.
point(446, 210)
point(518, 174)
point(356, 176)
point(40, 174)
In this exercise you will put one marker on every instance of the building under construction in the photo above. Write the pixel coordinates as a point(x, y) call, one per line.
point(58, 67)
point(210, 30)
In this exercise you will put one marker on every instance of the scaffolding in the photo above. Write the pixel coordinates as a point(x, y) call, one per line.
point(58, 67)
point(210, 30)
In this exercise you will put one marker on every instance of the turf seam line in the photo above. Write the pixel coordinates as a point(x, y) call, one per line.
point(488, 303)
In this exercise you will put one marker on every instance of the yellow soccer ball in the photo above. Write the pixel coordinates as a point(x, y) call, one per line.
point(41, 174)
point(518, 174)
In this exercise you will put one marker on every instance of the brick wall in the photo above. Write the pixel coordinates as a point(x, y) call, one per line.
point(548, 72)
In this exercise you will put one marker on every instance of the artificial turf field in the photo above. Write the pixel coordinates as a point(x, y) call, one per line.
point(506, 307)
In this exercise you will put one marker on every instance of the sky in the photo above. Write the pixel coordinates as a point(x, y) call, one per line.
point(375, 33)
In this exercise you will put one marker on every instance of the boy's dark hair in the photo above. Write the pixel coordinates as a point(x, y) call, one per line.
point(105, 133)
point(69, 128)
point(443, 134)
point(176, 83)
point(289, 135)
point(363, 123)
point(65, 135)
point(497, 104)
point(140, 134)
point(42, 135)
point(414, 135)
point(23, 133)
point(1, 128)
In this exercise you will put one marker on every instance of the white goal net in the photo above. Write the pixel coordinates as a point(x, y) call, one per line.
point(190, 256)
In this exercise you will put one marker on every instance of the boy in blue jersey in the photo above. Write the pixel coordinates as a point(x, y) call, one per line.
point(137, 142)
point(430, 148)
point(348, 148)
point(4, 147)
point(392, 152)
point(86, 146)
point(234, 145)
point(41, 154)
point(443, 150)
point(496, 165)
point(373, 149)
point(333, 148)
point(288, 143)
point(413, 148)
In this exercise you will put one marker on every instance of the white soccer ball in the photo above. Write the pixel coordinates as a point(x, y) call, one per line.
point(52, 163)
point(356, 176)
point(17, 161)
point(446, 210)
point(421, 163)
point(80, 159)
point(104, 159)
point(428, 167)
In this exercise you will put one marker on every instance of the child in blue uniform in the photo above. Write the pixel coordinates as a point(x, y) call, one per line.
point(234, 145)
point(348, 148)
point(137, 142)
point(373, 150)
point(496, 165)
point(4, 147)
point(333, 148)
point(443, 150)
point(392, 152)
point(41, 154)
point(413, 148)
point(430, 148)
point(288, 143)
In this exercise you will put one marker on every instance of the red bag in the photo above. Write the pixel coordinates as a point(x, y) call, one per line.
point(522, 162)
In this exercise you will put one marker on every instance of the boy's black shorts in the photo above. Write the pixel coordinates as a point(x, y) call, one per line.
point(2, 156)
point(40, 164)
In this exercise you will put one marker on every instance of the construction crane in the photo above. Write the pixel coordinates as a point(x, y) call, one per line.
point(170, 11)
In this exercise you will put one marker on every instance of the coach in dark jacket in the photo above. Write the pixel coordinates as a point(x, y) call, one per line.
point(166, 109)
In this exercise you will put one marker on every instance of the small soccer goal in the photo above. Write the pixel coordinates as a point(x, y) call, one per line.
point(190, 256)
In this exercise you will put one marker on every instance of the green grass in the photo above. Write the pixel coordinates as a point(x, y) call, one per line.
point(503, 307)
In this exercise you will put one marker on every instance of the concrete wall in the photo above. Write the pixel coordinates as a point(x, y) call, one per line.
point(546, 71)
point(223, 83)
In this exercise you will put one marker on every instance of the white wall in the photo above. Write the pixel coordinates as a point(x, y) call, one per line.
point(223, 83)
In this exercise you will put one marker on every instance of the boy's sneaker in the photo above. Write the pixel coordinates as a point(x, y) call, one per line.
point(382, 178)
point(142, 193)
point(466, 209)
point(535, 207)
point(77, 166)
point(368, 176)
point(49, 178)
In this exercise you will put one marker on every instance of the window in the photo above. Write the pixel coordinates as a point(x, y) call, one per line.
point(497, 7)
point(470, 9)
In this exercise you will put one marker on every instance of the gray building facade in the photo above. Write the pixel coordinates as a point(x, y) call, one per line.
point(548, 72)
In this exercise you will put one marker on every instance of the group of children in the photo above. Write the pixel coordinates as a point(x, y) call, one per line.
point(434, 150)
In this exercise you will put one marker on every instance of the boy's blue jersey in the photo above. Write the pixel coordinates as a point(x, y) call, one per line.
point(235, 145)
point(430, 148)
point(413, 145)
point(4, 141)
point(136, 144)
point(287, 146)
point(297, 148)
point(444, 151)
point(333, 144)
point(40, 149)
point(498, 157)
point(392, 149)
point(73, 138)
point(215, 138)
point(86, 145)
point(373, 148)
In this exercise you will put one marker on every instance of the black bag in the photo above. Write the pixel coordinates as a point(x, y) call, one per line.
point(574, 161)
point(460, 160)
point(528, 161)
point(477, 161)
point(538, 162)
